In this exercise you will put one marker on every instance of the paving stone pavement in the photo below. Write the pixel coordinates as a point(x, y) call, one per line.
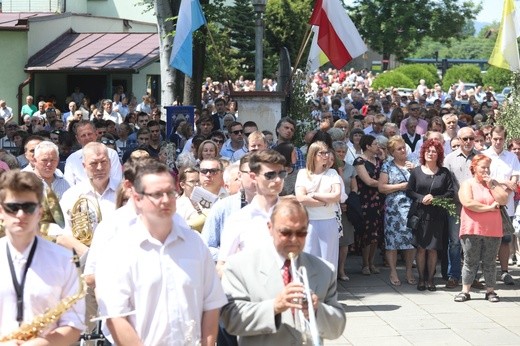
point(379, 313)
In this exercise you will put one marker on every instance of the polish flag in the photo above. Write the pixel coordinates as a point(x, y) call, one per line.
point(338, 37)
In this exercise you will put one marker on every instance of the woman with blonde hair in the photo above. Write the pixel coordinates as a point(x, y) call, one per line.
point(318, 189)
point(207, 150)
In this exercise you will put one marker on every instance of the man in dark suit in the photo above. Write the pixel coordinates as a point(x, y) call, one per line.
point(263, 301)
point(221, 112)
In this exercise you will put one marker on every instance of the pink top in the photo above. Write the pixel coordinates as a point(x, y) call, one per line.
point(489, 223)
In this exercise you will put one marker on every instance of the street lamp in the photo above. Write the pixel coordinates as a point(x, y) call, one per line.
point(259, 8)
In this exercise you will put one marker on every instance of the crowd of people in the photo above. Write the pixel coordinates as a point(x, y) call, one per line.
point(196, 232)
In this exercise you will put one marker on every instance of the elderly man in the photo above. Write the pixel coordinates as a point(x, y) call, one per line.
point(178, 295)
point(36, 274)
point(413, 112)
point(26, 160)
point(264, 293)
point(100, 187)
point(109, 114)
point(74, 171)
point(45, 166)
point(72, 109)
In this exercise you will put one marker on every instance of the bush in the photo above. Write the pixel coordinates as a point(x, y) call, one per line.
point(416, 72)
point(393, 79)
point(497, 77)
point(465, 73)
point(510, 115)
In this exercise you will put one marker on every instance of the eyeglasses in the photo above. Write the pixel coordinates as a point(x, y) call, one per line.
point(159, 195)
point(289, 234)
point(272, 175)
point(218, 141)
point(237, 132)
point(108, 141)
point(324, 153)
point(27, 207)
point(193, 182)
point(247, 134)
point(465, 139)
point(211, 171)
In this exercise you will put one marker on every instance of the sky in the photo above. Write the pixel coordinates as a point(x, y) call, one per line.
point(491, 10)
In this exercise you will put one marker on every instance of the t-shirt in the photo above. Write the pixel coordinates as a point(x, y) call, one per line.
point(319, 183)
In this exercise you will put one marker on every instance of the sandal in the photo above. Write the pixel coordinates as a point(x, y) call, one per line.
point(411, 281)
point(462, 297)
point(492, 297)
point(421, 286)
point(365, 271)
point(374, 269)
point(395, 281)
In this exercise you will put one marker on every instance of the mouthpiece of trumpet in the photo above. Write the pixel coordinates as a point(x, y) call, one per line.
point(291, 255)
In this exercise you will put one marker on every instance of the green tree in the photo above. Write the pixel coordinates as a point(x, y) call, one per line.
point(416, 72)
point(398, 27)
point(510, 115)
point(465, 73)
point(497, 77)
point(394, 79)
point(242, 36)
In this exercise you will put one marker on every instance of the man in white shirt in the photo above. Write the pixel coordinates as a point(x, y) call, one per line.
point(39, 269)
point(267, 169)
point(72, 109)
point(5, 112)
point(178, 295)
point(45, 166)
point(109, 114)
point(505, 169)
point(73, 171)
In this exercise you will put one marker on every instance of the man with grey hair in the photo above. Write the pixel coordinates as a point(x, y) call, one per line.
point(109, 113)
point(231, 179)
point(45, 166)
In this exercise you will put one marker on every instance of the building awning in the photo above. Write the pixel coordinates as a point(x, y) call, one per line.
point(100, 52)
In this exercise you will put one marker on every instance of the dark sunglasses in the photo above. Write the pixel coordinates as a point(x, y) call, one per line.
point(272, 175)
point(211, 171)
point(27, 207)
point(247, 134)
point(108, 141)
point(289, 234)
point(468, 139)
point(237, 132)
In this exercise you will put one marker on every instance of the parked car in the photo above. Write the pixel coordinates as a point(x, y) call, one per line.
point(503, 95)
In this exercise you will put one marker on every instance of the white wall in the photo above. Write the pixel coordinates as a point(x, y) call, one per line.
point(139, 79)
point(127, 9)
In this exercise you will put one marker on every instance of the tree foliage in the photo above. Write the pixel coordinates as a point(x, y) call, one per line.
point(398, 27)
point(464, 73)
point(510, 115)
point(416, 72)
point(497, 77)
point(393, 79)
point(241, 31)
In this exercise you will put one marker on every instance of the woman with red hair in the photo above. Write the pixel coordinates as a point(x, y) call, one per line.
point(427, 181)
point(480, 227)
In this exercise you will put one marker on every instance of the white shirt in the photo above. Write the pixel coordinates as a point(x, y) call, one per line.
point(503, 167)
point(75, 172)
point(246, 227)
point(319, 183)
point(106, 201)
point(51, 277)
point(169, 285)
point(6, 112)
point(114, 116)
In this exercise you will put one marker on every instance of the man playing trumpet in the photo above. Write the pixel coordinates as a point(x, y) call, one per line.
point(263, 295)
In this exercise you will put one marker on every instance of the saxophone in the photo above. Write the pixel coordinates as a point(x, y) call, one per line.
point(39, 323)
point(85, 216)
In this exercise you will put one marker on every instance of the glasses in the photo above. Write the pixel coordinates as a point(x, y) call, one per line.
point(193, 182)
point(324, 153)
point(160, 195)
point(108, 141)
point(247, 134)
point(289, 234)
point(413, 109)
point(465, 139)
point(211, 171)
point(218, 141)
point(272, 175)
point(27, 207)
point(237, 132)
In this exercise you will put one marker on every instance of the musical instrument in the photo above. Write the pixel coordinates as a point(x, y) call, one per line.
point(85, 216)
point(51, 214)
point(41, 322)
point(306, 327)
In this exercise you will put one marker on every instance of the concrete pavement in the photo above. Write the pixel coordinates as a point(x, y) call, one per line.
point(381, 314)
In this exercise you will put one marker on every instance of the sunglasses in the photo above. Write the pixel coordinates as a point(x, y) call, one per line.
point(272, 175)
point(108, 141)
point(237, 132)
point(211, 171)
point(27, 207)
point(289, 234)
point(465, 139)
point(247, 134)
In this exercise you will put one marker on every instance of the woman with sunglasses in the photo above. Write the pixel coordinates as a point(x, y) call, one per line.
point(318, 188)
point(190, 210)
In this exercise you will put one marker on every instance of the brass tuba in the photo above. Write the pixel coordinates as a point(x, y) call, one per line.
point(41, 322)
point(51, 213)
point(85, 216)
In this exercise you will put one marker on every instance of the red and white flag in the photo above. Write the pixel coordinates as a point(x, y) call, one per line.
point(338, 37)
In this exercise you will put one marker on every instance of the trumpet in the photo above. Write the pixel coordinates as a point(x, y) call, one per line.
point(306, 327)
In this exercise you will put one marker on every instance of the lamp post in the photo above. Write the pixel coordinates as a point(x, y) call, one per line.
point(259, 8)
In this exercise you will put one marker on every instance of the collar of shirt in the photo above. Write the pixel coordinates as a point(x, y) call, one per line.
point(20, 257)
point(177, 232)
point(87, 188)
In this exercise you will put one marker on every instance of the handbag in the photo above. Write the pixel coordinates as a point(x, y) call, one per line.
point(507, 225)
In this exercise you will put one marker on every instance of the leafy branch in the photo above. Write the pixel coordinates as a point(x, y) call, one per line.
point(448, 205)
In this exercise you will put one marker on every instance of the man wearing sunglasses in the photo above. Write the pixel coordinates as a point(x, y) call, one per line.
point(235, 143)
point(32, 267)
point(413, 112)
point(267, 170)
point(265, 295)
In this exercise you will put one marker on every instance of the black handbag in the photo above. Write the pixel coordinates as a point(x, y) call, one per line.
point(507, 225)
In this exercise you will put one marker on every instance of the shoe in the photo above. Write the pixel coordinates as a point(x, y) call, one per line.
point(478, 285)
point(365, 271)
point(374, 270)
point(421, 286)
point(452, 283)
point(462, 297)
point(395, 281)
point(492, 297)
point(343, 278)
point(432, 287)
point(411, 281)
point(507, 278)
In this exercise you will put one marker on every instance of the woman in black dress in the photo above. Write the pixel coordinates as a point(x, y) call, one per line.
point(368, 167)
point(427, 181)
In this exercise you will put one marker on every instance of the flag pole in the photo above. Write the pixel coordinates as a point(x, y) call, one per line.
point(305, 41)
